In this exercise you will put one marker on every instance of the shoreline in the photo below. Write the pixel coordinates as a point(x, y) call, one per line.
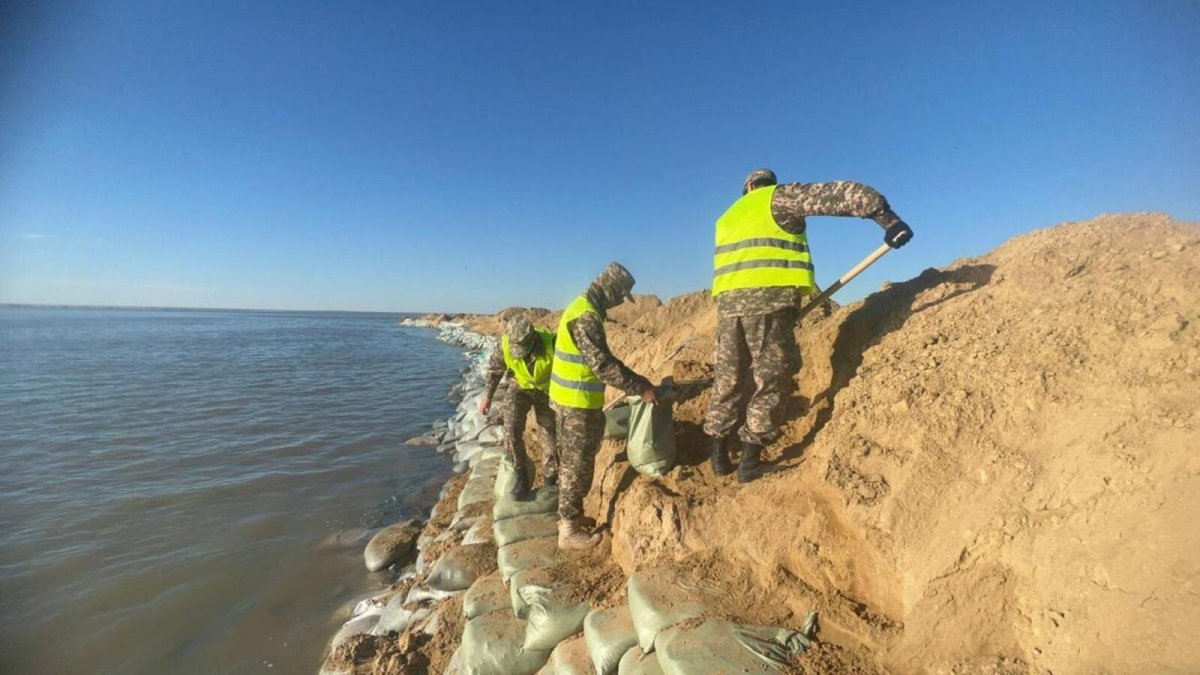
point(379, 612)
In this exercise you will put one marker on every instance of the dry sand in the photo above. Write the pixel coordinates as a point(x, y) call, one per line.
point(989, 468)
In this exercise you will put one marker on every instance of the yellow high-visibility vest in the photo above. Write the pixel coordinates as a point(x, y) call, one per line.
point(540, 377)
point(572, 382)
point(753, 251)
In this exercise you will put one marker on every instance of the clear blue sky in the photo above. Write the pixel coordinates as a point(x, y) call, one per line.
point(473, 155)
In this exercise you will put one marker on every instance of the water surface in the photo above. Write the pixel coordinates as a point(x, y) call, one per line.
point(169, 478)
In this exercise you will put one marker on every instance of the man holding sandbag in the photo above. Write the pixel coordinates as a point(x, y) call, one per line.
point(525, 355)
point(762, 270)
point(583, 365)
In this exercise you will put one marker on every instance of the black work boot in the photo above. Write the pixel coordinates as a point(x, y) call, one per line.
point(720, 457)
point(521, 491)
point(748, 466)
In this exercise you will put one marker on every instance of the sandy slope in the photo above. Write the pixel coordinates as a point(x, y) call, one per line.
point(988, 465)
point(990, 468)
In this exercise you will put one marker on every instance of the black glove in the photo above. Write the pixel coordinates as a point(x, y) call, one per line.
point(897, 235)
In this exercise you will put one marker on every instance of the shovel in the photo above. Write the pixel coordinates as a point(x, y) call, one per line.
point(845, 279)
point(821, 298)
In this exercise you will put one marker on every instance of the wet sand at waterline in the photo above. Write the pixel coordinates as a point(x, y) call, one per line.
point(175, 483)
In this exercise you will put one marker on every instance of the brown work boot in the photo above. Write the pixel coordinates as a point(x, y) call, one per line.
point(572, 535)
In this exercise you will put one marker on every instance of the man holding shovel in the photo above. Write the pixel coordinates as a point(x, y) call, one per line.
point(762, 270)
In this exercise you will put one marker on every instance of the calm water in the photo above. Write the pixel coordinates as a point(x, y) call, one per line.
point(169, 477)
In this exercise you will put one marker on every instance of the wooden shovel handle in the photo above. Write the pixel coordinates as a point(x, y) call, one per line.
point(845, 279)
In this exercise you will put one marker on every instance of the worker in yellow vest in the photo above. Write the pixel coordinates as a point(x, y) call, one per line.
point(583, 365)
point(762, 269)
point(525, 357)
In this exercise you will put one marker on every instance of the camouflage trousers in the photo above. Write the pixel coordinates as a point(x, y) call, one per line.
point(756, 359)
point(579, 435)
point(516, 413)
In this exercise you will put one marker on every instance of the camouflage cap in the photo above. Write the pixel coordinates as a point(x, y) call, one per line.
point(758, 178)
point(616, 281)
point(520, 335)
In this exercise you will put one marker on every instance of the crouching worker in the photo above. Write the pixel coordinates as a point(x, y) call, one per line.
point(525, 355)
point(583, 364)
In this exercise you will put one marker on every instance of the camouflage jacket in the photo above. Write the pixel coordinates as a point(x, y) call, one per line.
point(588, 333)
point(790, 204)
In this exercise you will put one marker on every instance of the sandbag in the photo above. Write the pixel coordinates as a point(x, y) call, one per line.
point(467, 451)
point(396, 618)
point(650, 444)
point(485, 468)
point(726, 647)
point(609, 634)
point(476, 490)
point(520, 528)
point(492, 435)
point(545, 500)
point(457, 569)
point(492, 645)
point(570, 657)
point(480, 533)
point(460, 524)
point(359, 625)
point(506, 477)
point(616, 421)
point(519, 608)
point(637, 662)
point(496, 452)
point(553, 615)
point(657, 604)
point(528, 554)
point(418, 594)
point(487, 594)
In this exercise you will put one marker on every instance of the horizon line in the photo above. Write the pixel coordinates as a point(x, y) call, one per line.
point(54, 305)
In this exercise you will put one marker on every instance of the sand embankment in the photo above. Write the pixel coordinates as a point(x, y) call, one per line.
point(991, 467)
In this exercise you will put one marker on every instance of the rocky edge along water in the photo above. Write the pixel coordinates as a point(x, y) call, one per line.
point(410, 548)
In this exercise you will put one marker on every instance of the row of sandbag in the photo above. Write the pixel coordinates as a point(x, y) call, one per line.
point(532, 625)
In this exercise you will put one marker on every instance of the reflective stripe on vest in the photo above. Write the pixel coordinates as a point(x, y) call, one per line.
point(753, 251)
point(572, 383)
point(540, 377)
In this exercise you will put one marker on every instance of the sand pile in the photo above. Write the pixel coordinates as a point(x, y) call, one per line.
point(988, 468)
